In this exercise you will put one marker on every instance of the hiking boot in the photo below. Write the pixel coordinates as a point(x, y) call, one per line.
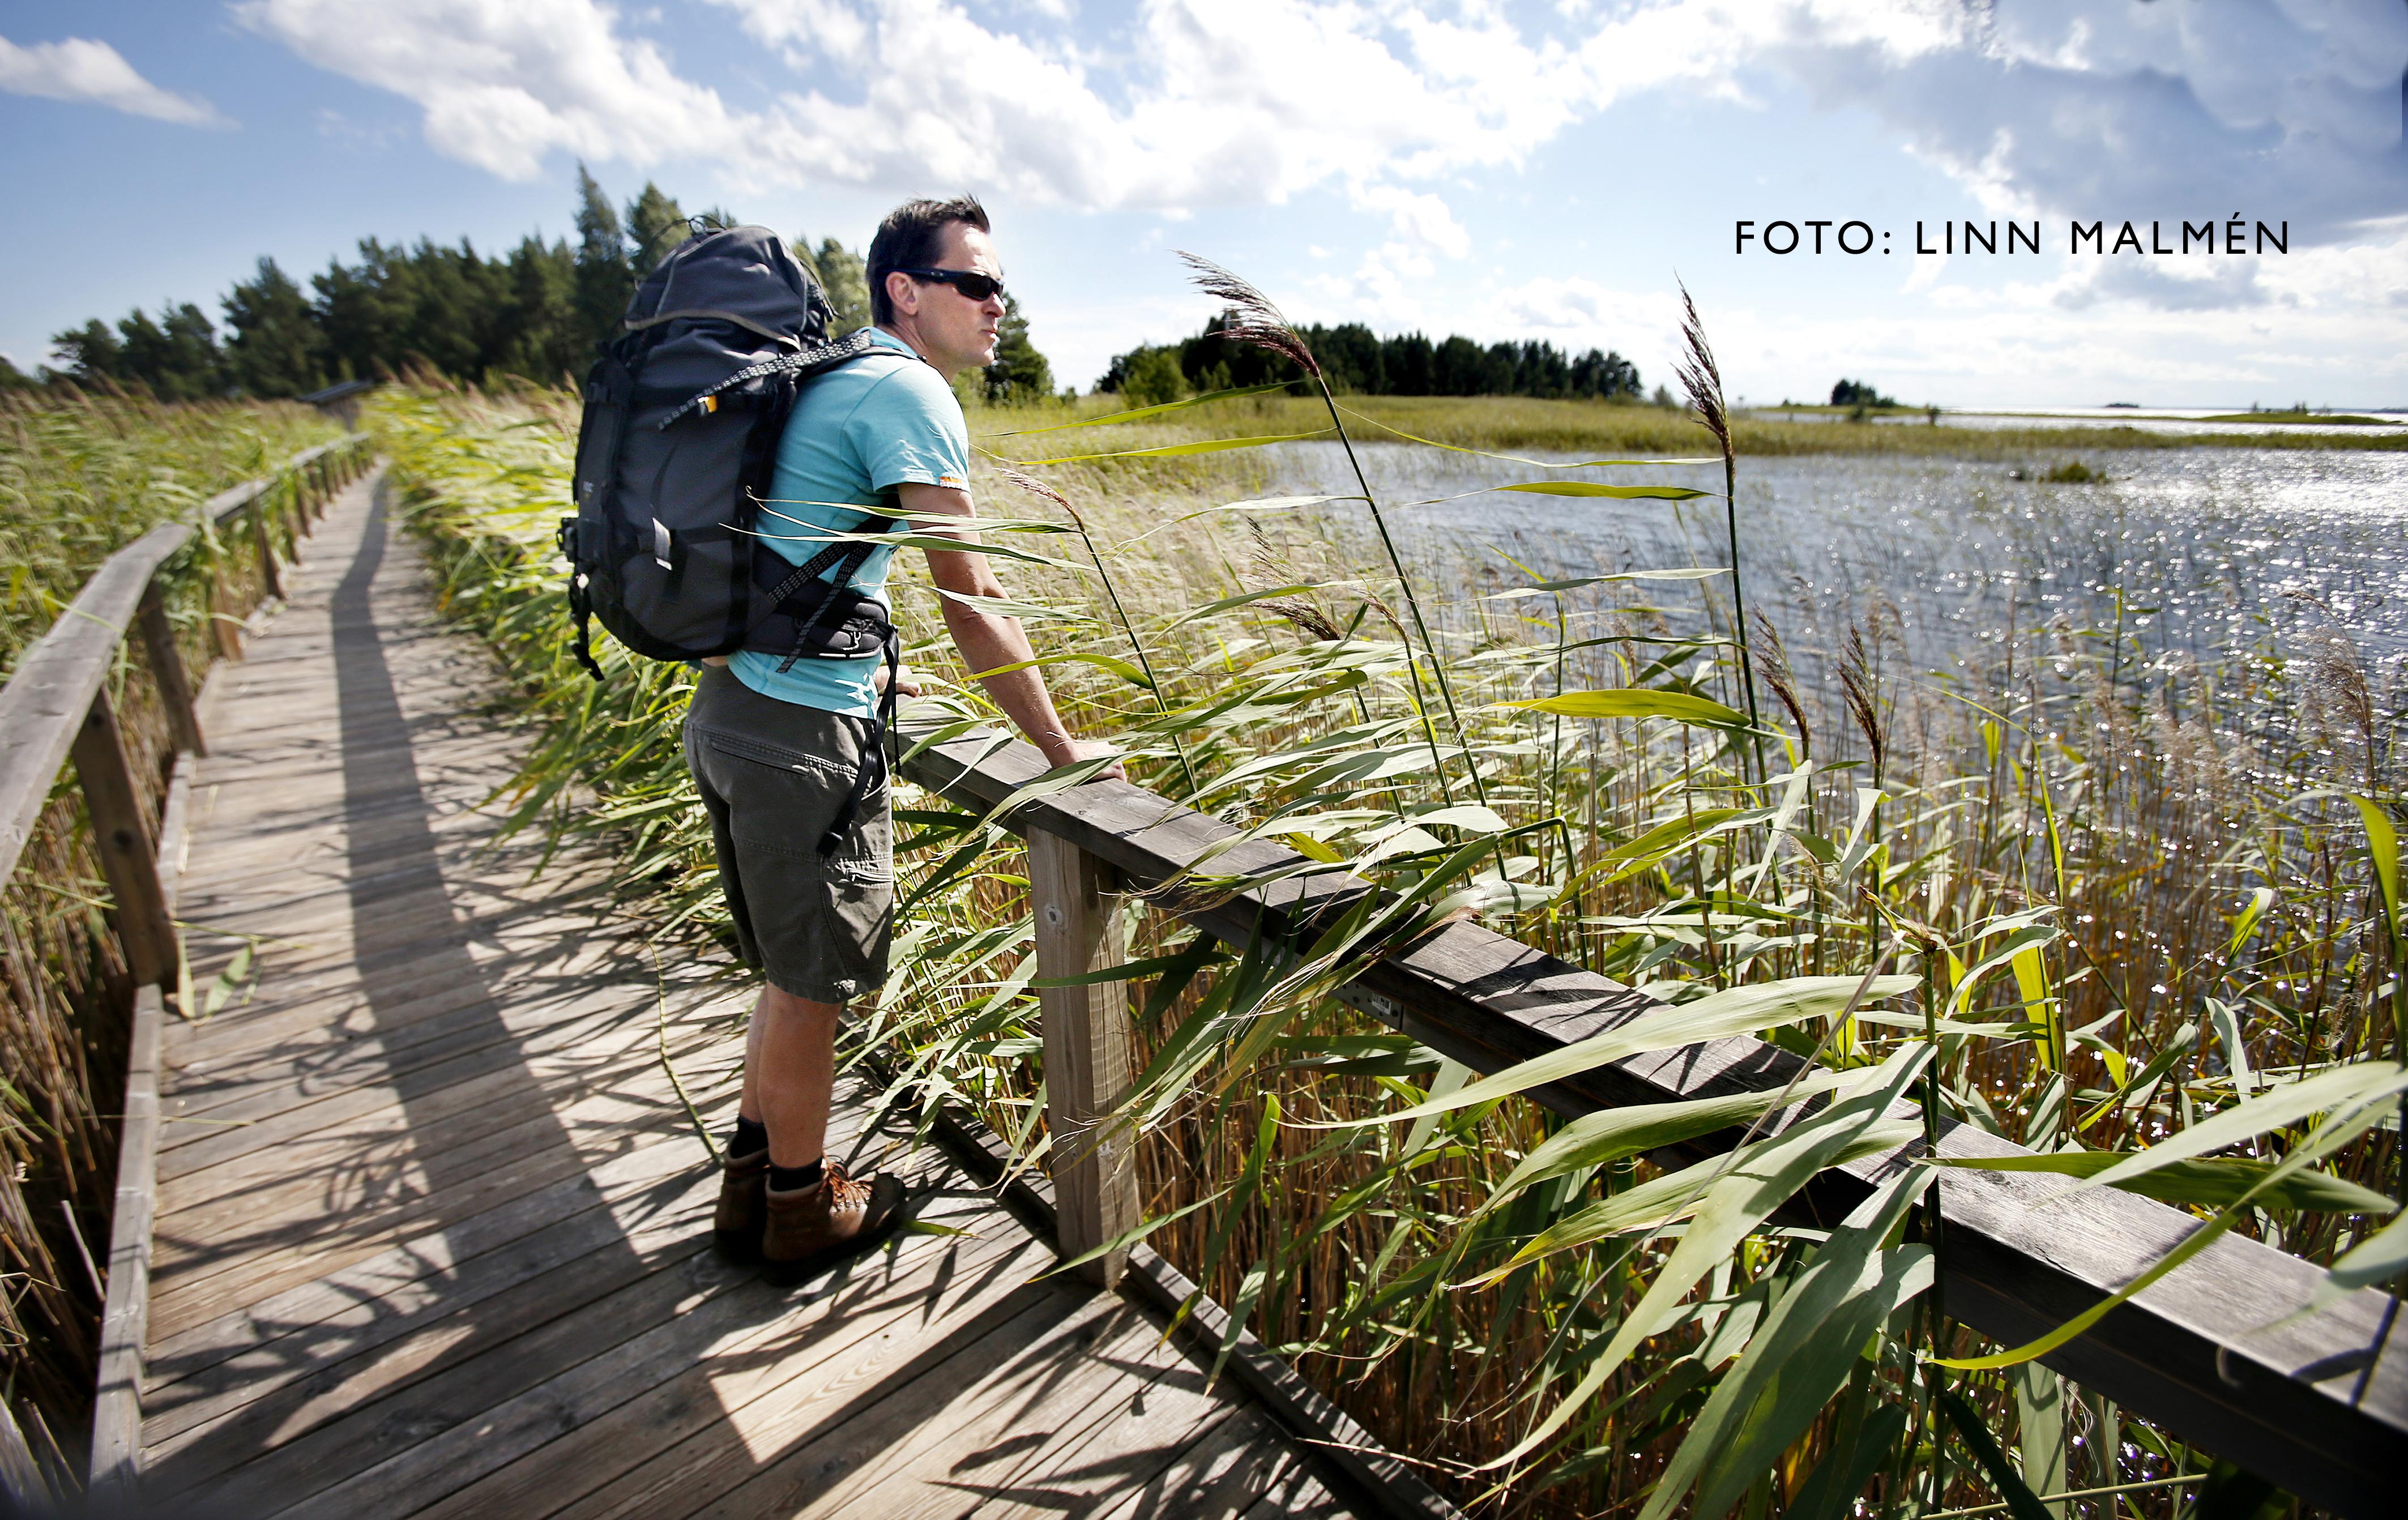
point(743, 1211)
point(814, 1227)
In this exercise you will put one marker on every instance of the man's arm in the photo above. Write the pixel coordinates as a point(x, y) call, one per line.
point(990, 640)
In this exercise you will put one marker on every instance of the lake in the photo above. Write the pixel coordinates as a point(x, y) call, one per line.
point(2218, 553)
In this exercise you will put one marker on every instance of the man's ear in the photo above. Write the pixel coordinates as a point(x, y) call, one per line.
point(904, 299)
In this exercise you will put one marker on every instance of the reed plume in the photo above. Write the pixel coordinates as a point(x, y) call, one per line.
point(1702, 379)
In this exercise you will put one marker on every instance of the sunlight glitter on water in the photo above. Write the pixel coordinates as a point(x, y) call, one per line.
point(2212, 550)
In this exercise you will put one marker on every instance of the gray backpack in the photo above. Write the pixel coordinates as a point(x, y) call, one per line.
point(683, 411)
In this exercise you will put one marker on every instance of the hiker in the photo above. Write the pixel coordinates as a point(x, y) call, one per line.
point(778, 747)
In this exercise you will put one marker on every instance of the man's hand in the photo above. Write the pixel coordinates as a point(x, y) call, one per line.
point(905, 683)
point(1087, 749)
point(991, 641)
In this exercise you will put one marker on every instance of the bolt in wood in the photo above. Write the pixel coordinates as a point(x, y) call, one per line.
point(1088, 1051)
point(121, 831)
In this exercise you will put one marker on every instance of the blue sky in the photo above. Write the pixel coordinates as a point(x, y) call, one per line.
point(1503, 170)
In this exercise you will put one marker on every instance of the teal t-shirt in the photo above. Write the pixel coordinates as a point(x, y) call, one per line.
point(878, 422)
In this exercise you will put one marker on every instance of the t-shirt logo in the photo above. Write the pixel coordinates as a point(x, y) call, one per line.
point(954, 480)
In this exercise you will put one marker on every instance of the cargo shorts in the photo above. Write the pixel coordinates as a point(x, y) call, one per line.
point(773, 776)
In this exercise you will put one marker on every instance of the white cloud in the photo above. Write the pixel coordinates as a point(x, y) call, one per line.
point(503, 83)
point(2281, 108)
point(1424, 222)
point(82, 69)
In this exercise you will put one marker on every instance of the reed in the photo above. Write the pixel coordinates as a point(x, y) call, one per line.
point(2109, 892)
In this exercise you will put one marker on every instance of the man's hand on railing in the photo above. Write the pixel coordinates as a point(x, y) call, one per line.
point(1087, 749)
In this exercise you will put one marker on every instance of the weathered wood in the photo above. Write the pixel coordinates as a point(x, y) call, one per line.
point(120, 827)
point(1391, 1488)
point(168, 670)
point(446, 1253)
point(1089, 1054)
point(2221, 1350)
point(271, 576)
point(44, 707)
point(117, 1412)
point(116, 1459)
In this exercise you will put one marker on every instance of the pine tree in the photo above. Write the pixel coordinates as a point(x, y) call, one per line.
point(656, 225)
point(1019, 373)
point(356, 315)
point(539, 313)
point(179, 359)
point(273, 338)
point(604, 280)
point(90, 353)
point(843, 275)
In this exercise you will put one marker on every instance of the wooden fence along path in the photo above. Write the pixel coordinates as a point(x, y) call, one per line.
point(430, 1211)
point(430, 1220)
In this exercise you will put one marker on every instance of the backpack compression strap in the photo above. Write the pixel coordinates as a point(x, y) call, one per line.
point(809, 360)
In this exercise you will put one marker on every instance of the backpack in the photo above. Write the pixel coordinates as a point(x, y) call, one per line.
point(683, 413)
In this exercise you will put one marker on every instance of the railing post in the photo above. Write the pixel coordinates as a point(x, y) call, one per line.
point(168, 670)
point(1088, 1054)
point(127, 854)
point(270, 577)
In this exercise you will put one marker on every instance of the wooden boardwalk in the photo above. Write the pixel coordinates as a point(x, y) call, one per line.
point(431, 1229)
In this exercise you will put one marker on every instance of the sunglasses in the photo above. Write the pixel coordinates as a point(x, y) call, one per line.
point(978, 287)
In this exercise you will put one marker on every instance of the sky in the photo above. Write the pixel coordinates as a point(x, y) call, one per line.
point(1546, 171)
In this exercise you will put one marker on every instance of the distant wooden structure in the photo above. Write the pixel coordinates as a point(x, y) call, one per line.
point(342, 401)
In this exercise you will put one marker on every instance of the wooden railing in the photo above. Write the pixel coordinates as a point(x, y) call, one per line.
point(57, 708)
point(2222, 1351)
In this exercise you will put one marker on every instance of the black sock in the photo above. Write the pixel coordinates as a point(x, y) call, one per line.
point(749, 1136)
point(796, 1179)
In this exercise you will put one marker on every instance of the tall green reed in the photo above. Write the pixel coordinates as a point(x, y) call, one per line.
point(1480, 1282)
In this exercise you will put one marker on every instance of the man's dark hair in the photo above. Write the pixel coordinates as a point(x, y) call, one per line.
point(912, 237)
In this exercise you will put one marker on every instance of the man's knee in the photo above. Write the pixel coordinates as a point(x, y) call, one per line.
point(782, 1006)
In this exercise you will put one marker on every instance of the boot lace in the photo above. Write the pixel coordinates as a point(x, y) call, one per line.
point(844, 1191)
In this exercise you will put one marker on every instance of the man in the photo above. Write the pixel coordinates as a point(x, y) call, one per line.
point(777, 746)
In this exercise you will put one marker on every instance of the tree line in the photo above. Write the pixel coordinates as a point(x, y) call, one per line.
point(1358, 360)
point(539, 312)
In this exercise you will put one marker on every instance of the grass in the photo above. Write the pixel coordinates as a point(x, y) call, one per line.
point(2113, 899)
point(82, 477)
point(1603, 429)
point(79, 477)
point(2321, 418)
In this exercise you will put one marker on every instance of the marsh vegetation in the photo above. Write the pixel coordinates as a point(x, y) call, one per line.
point(2044, 869)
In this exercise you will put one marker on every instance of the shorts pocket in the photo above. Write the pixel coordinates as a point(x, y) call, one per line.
point(800, 761)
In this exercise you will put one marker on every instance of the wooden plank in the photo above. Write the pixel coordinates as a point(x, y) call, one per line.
point(115, 1467)
point(866, 1448)
point(378, 1180)
point(266, 1403)
point(728, 1317)
point(1240, 1462)
point(214, 1276)
point(694, 1434)
point(1089, 1052)
point(117, 1411)
point(2220, 1350)
point(417, 1265)
point(1389, 1486)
